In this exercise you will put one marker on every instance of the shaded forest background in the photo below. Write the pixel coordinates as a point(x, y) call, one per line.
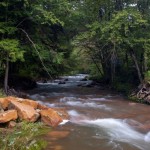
point(44, 39)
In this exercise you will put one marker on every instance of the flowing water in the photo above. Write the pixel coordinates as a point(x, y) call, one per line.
point(99, 119)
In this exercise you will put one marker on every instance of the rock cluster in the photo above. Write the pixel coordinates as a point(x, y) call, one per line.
point(14, 110)
point(142, 94)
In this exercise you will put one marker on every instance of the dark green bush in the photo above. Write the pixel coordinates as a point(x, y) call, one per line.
point(2, 93)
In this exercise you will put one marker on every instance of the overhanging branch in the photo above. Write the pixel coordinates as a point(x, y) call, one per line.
point(36, 51)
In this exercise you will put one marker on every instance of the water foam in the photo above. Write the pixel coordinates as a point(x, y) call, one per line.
point(88, 104)
point(98, 99)
point(37, 97)
point(147, 137)
point(64, 122)
point(64, 99)
point(117, 130)
point(76, 117)
point(73, 113)
point(46, 103)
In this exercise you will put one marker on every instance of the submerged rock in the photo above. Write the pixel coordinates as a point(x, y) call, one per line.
point(58, 134)
point(62, 82)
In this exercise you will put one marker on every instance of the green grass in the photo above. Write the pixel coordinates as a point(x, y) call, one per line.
point(25, 137)
point(147, 76)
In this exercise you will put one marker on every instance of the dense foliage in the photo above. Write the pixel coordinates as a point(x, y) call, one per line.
point(117, 39)
point(48, 38)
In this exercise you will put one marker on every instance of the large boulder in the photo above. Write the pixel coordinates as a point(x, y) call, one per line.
point(25, 112)
point(4, 103)
point(42, 107)
point(29, 102)
point(11, 98)
point(8, 116)
point(50, 117)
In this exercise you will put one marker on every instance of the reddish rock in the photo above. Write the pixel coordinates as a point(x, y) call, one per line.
point(8, 116)
point(42, 107)
point(38, 110)
point(4, 103)
point(32, 103)
point(132, 104)
point(56, 147)
point(50, 117)
point(11, 98)
point(12, 124)
point(1, 109)
point(25, 112)
point(62, 113)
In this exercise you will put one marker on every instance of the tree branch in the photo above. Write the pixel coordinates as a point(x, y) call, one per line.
point(37, 52)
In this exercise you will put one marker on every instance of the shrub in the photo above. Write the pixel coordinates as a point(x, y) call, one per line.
point(2, 93)
point(147, 76)
point(123, 87)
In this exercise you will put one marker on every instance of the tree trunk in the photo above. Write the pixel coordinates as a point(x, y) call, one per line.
point(113, 63)
point(145, 62)
point(98, 68)
point(94, 61)
point(6, 76)
point(136, 65)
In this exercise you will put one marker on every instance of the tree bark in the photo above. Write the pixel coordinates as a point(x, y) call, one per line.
point(113, 63)
point(136, 65)
point(6, 76)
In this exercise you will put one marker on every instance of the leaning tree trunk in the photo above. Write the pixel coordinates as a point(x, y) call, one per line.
point(98, 68)
point(6, 76)
point(7, 56)
point(136, 65)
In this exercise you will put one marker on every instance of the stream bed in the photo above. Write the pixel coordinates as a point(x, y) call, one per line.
point(99, 119)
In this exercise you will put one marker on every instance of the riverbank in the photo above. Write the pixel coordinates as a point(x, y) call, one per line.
point(19, 116)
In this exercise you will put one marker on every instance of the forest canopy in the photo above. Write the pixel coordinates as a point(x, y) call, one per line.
point(108, 39)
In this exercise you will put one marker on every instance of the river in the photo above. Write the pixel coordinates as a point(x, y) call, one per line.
point(99, 119)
